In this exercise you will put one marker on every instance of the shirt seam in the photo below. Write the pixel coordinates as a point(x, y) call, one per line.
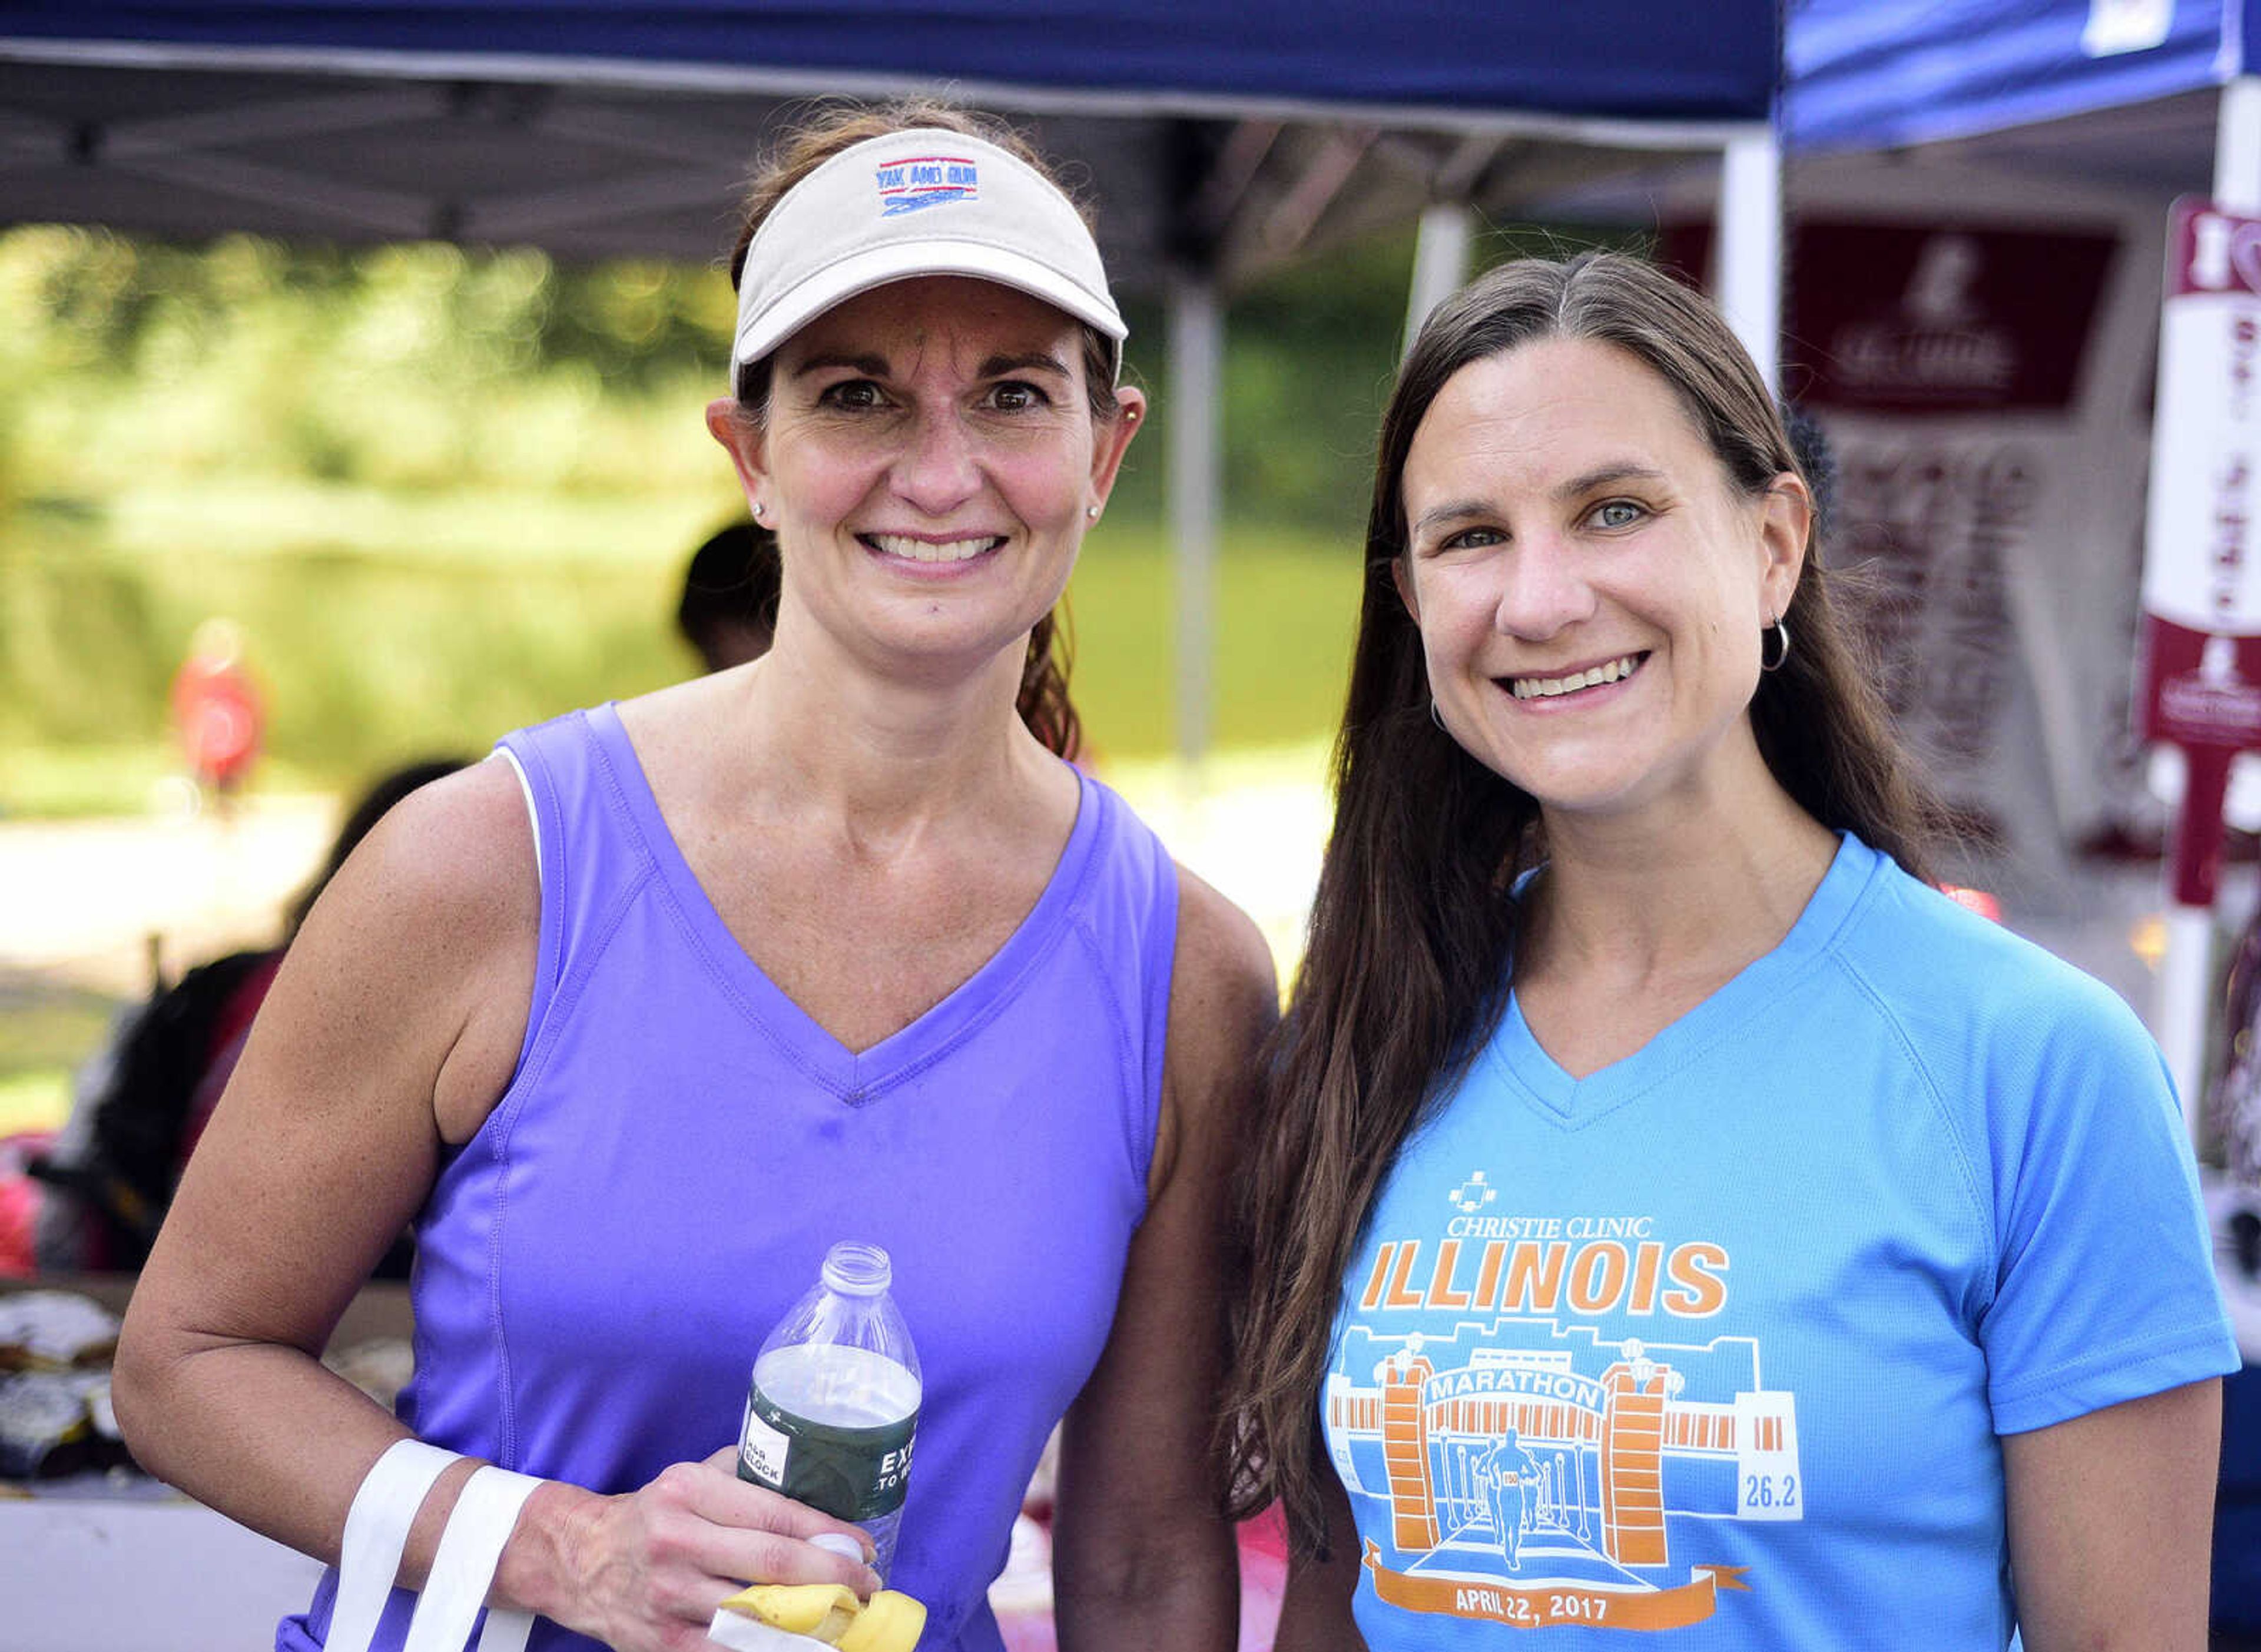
point(573, 982)
point(2147, 1350)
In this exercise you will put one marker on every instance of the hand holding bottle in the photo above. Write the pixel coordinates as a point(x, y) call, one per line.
point(833, 1405)
point(644, 1571)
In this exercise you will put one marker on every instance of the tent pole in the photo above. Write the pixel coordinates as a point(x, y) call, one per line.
point(2238, 146)
point(1196, 389)
point(1750, 246)
point(1440, 263)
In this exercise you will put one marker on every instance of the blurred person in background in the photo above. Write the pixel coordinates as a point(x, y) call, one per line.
point(1843, 1246)
point(728, 612)
point(217, 714)
point(637, 1019)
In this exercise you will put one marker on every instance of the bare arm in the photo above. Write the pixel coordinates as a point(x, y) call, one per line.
point(1315, 1614)
point(2107, 1556)
point(391, 1031)
point(1142, 1557)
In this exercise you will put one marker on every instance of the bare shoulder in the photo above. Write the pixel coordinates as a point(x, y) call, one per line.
point(445, 878)
point(1222, 972)
point(1224, 997)
point(465, 842)
point(433, 923)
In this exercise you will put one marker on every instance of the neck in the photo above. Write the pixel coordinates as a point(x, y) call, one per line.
point(885, 753)
point(1699, 887)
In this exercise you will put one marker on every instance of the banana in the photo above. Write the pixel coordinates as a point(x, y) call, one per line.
point(820, 1610)
point(793, 1617)
point(889, 1622)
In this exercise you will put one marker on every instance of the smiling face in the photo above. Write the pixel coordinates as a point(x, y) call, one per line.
point(1589, 585)
point(929, 459)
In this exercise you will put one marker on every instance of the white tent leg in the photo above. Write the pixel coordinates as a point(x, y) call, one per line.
point(1749, 257)
point(1197, 390)
point(2237, 147)
point(1440, 263)
point(2186, 989)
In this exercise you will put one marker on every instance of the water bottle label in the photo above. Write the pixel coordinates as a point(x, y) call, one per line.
point(762, 1450)
point(850, 1472)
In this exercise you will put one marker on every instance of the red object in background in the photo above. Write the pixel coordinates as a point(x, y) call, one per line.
point(19, 1202)
point(218, 715)
point(2201, 687)
point(1975, 900)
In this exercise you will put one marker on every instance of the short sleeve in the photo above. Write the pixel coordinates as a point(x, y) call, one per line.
point(2104, 1288)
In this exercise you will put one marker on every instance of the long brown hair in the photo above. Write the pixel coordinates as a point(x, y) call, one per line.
point(1407, 961)
point(1043, 700)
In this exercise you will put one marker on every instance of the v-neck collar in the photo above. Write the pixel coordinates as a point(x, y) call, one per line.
point(1515, 1054)
point(856, 1077)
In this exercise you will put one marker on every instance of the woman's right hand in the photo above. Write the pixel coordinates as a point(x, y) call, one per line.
point(643, 1571)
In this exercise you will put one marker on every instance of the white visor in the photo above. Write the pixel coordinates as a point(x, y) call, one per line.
point(926, 202)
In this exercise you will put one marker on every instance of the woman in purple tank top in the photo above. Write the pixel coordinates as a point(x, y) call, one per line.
point(635, 1022)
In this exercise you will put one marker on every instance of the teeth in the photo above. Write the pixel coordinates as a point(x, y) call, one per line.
point(1547, 687)
point(930, 551)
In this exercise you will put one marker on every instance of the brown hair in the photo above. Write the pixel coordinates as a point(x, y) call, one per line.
point(1042, 701)
point(1406, 965)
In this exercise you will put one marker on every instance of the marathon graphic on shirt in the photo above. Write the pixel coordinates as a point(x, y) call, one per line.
point(1530, 1462)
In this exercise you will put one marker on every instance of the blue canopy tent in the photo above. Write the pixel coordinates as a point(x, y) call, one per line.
point(2125, 91)
point(1221, 140)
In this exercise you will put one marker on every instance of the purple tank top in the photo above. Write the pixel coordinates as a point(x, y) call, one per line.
point(680, 1143)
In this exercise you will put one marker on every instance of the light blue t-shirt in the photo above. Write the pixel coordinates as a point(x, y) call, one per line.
point(1712, 1347)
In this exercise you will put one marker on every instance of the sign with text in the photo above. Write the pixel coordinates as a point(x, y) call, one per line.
point(2202, 680)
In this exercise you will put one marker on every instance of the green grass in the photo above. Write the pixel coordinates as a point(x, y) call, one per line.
point(1286, 608)
point(45, 1026)
point(37, 1099)
point(46, 1029)
point(372, 651)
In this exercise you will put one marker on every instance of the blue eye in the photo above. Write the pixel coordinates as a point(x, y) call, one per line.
point(1618, 514)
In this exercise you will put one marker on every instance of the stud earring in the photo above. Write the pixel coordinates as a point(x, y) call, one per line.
point(1092, 510)
point(760, 510)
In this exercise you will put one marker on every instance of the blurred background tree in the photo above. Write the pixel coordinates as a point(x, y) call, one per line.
point(448, 492)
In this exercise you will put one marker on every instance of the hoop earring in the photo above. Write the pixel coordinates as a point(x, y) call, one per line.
point(1436, 717)
point(1780, 633)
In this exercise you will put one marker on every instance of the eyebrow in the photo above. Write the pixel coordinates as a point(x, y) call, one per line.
point(1600, 476)
point(876, 366)
point(870, 366)
point(1603, 476)
point(1043, 361)
point(1459, 510)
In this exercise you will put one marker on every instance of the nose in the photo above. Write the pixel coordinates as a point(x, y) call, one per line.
point(939, 470)
point(1543, 588)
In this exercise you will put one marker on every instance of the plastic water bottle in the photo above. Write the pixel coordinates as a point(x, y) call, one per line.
point(834, 1400)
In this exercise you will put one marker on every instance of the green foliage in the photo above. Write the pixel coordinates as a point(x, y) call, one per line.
point(447, 493)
